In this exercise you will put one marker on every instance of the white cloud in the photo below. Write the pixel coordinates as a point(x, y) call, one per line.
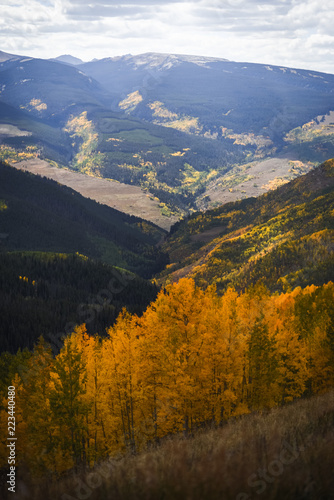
point(297, 33)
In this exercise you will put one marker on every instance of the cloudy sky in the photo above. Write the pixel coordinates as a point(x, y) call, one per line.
point(295, 33)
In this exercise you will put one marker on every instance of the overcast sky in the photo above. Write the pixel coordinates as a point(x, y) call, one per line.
point(295, 33)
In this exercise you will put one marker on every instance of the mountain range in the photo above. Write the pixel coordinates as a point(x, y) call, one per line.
point(192, 132)
point(187, 129)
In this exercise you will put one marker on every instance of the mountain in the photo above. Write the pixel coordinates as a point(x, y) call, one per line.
point(39, 214)
point(187, 129)
point(24, 136)
point(284, 238)
point(47, 89)
point(123, 74)
point(220, 98)
point(68, 59)
point(72, 125)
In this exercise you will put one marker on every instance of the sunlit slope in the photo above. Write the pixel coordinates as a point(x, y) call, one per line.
point(284, 237)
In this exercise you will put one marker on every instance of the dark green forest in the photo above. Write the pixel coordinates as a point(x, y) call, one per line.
point(40, 214)
point(48, 294)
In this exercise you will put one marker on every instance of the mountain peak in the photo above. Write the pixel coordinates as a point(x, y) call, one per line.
point(163, 61)
point(68, 59)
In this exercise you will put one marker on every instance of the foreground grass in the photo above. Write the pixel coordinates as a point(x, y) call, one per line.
point(285, 454)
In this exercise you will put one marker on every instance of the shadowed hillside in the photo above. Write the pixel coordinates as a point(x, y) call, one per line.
point(39, 214)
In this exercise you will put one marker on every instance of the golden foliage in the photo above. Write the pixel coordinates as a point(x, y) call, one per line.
point(194, 357)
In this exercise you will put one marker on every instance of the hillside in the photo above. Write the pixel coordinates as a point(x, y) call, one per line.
point(286, 453)
point(47, 294)
point(255, 105)
point(48, 89)
point(39, 214)
point(194, 360)
point(284, 237)
point(4, 56)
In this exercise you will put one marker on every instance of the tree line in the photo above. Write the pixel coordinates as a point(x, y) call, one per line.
point(193, 358)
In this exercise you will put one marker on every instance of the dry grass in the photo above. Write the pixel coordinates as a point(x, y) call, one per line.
point(285, 454)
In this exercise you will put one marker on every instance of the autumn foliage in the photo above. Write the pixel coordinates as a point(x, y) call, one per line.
point(193, 358)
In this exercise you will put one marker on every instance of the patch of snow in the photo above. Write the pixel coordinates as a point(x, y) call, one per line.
point(316, 76)
point(160, 62)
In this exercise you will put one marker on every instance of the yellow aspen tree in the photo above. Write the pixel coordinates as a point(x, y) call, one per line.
point(320, 337)
point(152, 375)
point(174, 324)
point(224, 355)
point(123, 365)
point(111, 413)
point(291, 351)
point(90, 346)
point(37, 444)
point(182, 307)
point(212, 354)
point(235, 352)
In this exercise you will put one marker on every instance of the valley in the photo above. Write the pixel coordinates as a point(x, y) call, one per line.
point(192, 132)
point(166, 277)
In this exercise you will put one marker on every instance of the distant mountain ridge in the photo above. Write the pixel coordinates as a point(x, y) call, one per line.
point(244, 97)
point(68, 59)
point(176, 125)
point(160, 61)
point(4, 56)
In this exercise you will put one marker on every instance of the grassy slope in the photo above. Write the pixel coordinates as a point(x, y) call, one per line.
point(285, 454)
point(284, 237)
point(39, 214)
